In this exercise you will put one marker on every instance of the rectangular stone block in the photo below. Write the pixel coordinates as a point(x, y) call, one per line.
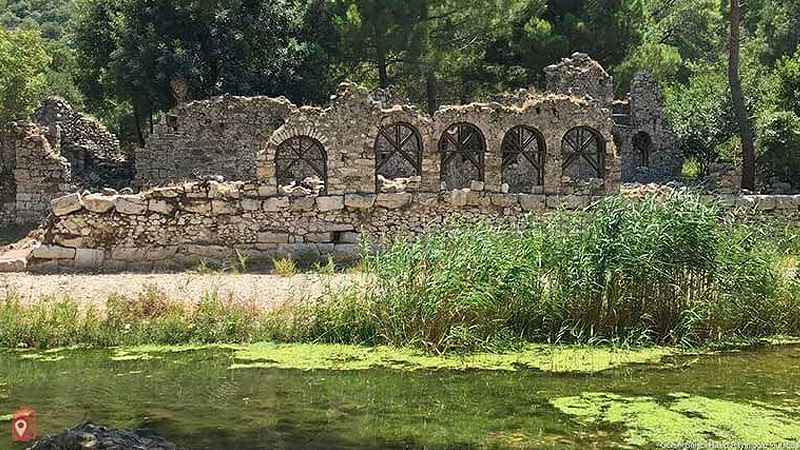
point(53, 252)
point(66, 205)
point(249, 204)
point(89, 258)
point(393, 201)
point(326, 204)
point(319, 237)
point(360, 201)
point(161, 207)
point(131, 205)
point(276, 204)
point(271, 237)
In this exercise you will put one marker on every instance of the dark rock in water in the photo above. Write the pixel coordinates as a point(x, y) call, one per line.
point(96, 437)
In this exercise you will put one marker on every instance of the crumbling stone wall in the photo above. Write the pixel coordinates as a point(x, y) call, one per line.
point(648, 147)
point(580, 76)
point(8, 185)
point(177, 227)
point(40, 173)
point(217, 137)
point(93, 152)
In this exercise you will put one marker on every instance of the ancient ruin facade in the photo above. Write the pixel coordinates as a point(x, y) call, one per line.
point(648, 147)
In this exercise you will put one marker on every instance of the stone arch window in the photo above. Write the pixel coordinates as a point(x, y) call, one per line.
point(462, 149)
point(398, 151)
point(583, 154)
point(301, 162)
point(643, 146)
point(523, 158)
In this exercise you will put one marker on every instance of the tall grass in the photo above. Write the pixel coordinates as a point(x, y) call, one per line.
point(669, 270)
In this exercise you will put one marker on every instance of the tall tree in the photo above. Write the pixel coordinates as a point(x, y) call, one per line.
point(740, 109)
point(23, 67)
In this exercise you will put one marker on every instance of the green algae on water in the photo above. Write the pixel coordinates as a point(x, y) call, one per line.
point(555, 359)
point(683, 419)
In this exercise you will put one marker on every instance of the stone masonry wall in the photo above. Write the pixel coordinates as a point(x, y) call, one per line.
point(222, 136)
point(8, 186)
point(40, 173)
point(178, 227)
point(580, 76)
point(648, 131)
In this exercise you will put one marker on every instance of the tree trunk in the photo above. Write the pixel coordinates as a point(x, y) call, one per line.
point(745, 126)
point(138, 118)
point(383, 71)
point(431, 90)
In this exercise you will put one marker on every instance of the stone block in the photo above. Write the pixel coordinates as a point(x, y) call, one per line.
point(197, 207)
point(302, 204)
point(459, 197)
point(160, 253)
point(130, 254)
point(67, 204)
point(89, 258)
point(393, 201)
point(346, 253)
point(765, 202)
point(477, 186)
point(349, 237)
point(474, 198)
point(53, 252)
point(302, 253)
point(531, 202)
point(360, 201)
point(503, 200)
point(161, 207)
point(97, 203)
point(250, 205)
point(272, 237)
point(319, 237)
point(784, 202)
point(326, 204)
point(276, 204)
point(224, 208)
point(13, 265)
point(130, 204)
point(553, 201)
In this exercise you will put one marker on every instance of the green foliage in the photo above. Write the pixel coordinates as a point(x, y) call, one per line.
point(787, 73)
point(23, 64)
point(779, 144)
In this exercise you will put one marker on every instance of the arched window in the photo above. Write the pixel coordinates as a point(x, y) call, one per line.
point(462, 149)
point(643, 145)
point(398, 152)
point(301, 161)
point(523, 159)
point(583, 154)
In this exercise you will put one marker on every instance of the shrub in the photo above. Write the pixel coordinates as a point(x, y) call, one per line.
point(779, 142)
point(285, 267)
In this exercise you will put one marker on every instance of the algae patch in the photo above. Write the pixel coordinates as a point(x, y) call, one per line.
point(683, 419)
point(146, 352)
point(555, 359)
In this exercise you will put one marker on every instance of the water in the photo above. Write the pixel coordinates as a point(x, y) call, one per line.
point(193, 399)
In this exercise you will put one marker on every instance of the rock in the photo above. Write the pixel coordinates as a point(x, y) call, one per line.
point(326, 204)
point(91, 436)
point(13, 265)
point(346, 253)
point(97, 203)
point(477, 186)
point(319, 237)
point(393, 201)
point(53, 252)
point(360, 201)
point(130, 205)
point(88, 258)
point(302, 204)
point(67, 204)
point(197, 207)
point(161, 207)
point(349, 237)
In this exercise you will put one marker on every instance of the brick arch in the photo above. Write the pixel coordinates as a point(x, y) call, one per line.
point(523, 158)
point(583, 151)
point(300, 157)
point(462, 148)
point(398, 151)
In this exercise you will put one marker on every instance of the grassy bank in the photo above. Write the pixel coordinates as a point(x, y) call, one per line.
point(666, 271)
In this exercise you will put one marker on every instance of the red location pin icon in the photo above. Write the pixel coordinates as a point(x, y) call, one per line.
point(23, 425)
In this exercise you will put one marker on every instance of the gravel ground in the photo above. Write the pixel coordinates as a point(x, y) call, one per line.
point(262, 290)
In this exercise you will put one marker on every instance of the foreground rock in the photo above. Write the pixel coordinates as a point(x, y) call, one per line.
point(91, 436)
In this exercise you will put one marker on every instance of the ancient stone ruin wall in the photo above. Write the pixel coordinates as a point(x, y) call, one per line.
point(580, 76)
point(93, 152)
point(218, 137)
point(359, 144)
point(179, 227)
point(40, 173)
point(648, 146)
point(8, 185)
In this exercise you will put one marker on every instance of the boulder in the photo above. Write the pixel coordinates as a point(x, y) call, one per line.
point(53, 252)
